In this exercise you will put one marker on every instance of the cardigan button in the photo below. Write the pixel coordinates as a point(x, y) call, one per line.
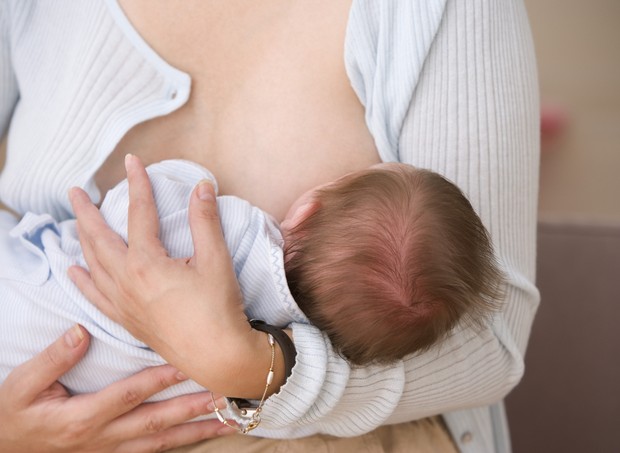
point(467, 437)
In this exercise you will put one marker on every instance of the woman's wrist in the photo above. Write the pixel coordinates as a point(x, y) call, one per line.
point(246, 413)
point(231, 362)
point(283, 339)
point(253, 358)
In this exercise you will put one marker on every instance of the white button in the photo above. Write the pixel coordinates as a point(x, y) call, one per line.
point(467, 437)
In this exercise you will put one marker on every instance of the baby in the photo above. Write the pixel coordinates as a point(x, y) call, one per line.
point(385, 261)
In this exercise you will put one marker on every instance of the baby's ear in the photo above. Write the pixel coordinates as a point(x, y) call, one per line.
point(300, 214)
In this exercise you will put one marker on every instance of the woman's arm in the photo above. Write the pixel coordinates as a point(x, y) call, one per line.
point(474, 117)
point(37, 413)
point(188, 310)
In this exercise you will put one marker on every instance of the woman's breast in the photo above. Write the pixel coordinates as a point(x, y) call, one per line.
point(264, 147)
point(270, 116)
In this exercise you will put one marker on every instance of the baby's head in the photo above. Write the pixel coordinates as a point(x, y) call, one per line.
point(387, 260)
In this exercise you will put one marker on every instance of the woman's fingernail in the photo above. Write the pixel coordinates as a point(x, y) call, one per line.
point(74, 336)
point(226, 430)
point(206, 191)
point(128, 158)
point(181, 376)
point(219, 402)
point(71, 273)
point(74, 194)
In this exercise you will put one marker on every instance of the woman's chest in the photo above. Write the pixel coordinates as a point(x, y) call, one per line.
point(271, 110)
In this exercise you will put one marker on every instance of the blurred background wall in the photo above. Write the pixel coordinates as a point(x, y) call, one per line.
point(569, 398)
point(578, 48)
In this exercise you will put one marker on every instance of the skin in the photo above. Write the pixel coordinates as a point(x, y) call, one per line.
point(271, 112)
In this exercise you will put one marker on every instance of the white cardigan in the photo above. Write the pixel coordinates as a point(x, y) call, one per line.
point(447, 85)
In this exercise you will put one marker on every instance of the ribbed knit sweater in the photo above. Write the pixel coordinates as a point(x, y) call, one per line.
point(447, 85)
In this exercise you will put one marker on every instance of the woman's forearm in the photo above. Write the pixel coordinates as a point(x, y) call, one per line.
point(229, 362)
point(190, 311)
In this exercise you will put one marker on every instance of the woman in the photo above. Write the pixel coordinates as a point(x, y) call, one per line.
point(276, 106)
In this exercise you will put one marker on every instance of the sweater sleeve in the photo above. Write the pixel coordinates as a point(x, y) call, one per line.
point(8, 82)
point(475, 118)
point(472, 116)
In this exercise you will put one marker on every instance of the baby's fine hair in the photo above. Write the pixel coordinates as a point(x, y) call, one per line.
point(389, 263)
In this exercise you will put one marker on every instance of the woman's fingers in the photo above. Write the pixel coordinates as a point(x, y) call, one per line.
point(100, 244)
point(177, 436)
point(102, 249)
point(205, 226)
point(105, 253)
point(143, 222)
point(156, 417)
point(31, 378)
point(113, 419)
point(123, 396)
point(156, 426)
point(82, 279)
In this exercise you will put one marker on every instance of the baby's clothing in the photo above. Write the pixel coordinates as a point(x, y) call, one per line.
point(38, 301)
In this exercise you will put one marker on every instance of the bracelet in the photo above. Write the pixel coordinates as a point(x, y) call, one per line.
point(244, 409)
point(255, 417)
point(284, 341)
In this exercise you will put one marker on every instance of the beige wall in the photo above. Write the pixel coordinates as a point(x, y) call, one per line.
point(578, 50)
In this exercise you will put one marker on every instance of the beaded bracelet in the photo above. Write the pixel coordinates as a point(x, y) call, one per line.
point(255, 417)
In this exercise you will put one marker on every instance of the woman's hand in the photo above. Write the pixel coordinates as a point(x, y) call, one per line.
point(188, 310)
point(37, 413)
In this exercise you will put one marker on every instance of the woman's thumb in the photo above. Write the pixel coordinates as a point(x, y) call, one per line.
point(40, 372)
